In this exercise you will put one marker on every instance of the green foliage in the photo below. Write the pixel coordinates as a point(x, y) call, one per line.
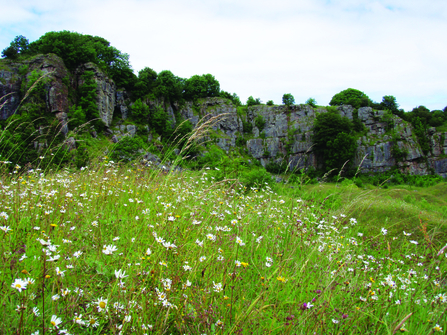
point(255, 177)
point(233, 97)
point(288, 99)
point(241, 141)
point(159, 121)
point(252, 101)
point(20, 45)
point(86, 102)
point(140, 111)
point(260, 122)
point(203, 86)
point(247, 127)
point(277, 168)
point(398, 154)
point(333, 140)
point(127, 149)
point(311, 102)
point(358, 125)
point(169, 87)
point(420, 130)
point(352, 97)
point(270, 103)
point(80, 156)
point(389, 102)
point(147, 79)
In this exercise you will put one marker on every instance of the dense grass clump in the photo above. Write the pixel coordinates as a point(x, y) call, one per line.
point(113, 249)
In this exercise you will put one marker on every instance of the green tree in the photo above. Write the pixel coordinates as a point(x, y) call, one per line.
point(203, 86)
point(288, 99)
point(169, 86)
point(333, 140)
point(352, 97)
point(389, 102)
point(20, 45)
point(233, 97)
point(140, 111)
point(146, 83)
point(311, 102)
point(270, 103)
point(87, 100)
point(252, 101)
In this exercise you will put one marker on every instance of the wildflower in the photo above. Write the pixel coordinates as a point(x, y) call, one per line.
point(5, 228)
point(93, 322)
point(217, 287)
point(102, 304)
point(335, 321)
point(109, 249)
point(384, 231)
point(201, 259)
point(211, 237)
point(59, 272)
point(19, 284)
point(77, 254)
point(4, 215)
point(78, 319)
point(414, 242)
point(238, 264)
point(120, 274)
point(187, 268)
point(36, 311)
point(163, 263)
point(281, 279)
point(55, 321)
point(148, 251)
point(239, 241)
point(437, 328)
point(199, 243)
point(55, 297)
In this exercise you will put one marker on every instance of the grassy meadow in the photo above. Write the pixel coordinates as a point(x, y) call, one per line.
point(128, 250)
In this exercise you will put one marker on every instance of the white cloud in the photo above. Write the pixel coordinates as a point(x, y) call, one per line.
point(263, 48)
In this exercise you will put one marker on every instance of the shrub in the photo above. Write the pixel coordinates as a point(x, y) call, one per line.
point(127, 148)
point(260, 122)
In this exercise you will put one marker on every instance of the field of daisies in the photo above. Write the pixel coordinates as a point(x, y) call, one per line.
point(129, 250)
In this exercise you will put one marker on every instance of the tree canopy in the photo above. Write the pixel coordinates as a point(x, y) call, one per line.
point(203, 86)
point(288, 99)
point(352, 97)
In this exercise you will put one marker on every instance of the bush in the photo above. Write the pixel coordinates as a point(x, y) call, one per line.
point(260, 122)
point(127, 149)
point(270, 103)
point(352, 97)
point(311, 102)
point(334, 144)
point(256, 177)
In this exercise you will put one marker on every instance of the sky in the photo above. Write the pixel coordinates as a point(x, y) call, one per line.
point(309, 48)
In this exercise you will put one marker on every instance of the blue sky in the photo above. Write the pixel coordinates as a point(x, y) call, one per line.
point(310, 48)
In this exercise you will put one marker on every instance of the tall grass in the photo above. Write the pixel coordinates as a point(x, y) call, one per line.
point(113, 249)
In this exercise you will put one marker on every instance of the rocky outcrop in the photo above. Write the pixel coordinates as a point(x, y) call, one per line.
point(105, 91)
point(14, 79)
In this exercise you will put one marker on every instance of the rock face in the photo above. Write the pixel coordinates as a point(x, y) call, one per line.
point(273, 134)
point(105, 91)
point(13, 75)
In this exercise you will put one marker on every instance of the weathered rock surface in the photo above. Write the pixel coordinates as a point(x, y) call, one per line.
point(285, 137)
point(105, 91)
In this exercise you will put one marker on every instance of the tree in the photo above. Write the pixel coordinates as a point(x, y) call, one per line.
point(203, 86)
point(288, 99)
point(146, 83)
point(169, 86)
point(19, 45)
point(352, 97)
point(233, 97)
point(140, 111)
point(270, 103)
point(333, 139)
point(252, 101)
point(389, 102)
point(311, 102)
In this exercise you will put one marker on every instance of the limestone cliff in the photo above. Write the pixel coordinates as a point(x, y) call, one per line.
point(285, 135)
